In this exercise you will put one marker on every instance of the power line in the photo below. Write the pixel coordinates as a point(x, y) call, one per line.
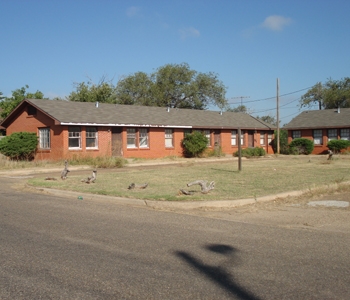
point(274, 97)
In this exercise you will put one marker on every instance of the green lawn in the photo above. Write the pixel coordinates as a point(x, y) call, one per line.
point(259, 177)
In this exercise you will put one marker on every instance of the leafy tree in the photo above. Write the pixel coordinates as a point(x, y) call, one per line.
point(337, 93)
point(103, 92)
point(239, 108)
point(8, 104)
point(301, 146)
point(19, 145)
point(332, 94)
point(194, 144)
point(173, 85)
point(268, 119)
point(136, 89)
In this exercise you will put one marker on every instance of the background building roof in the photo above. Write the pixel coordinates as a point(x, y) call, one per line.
point(326, 118)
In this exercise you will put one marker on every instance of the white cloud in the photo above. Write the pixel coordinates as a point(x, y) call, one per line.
point(276, 23)
point(133, 11)
point(189, 32)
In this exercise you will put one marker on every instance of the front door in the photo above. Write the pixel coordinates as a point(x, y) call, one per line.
point(250, 138)
point(117, 142)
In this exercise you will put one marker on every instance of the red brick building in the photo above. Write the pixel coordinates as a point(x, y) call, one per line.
point(320, 126)
point(68, 129)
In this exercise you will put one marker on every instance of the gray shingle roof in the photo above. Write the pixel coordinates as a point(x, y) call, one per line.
point(68, 112)
point(326, 118)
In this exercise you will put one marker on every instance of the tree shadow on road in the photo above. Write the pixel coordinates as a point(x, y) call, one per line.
point(218, 274)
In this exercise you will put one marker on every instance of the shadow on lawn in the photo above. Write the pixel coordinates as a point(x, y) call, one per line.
point(218, 274)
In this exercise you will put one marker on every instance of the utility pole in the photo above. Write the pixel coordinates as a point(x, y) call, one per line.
point(241, 97)
point(278, 116)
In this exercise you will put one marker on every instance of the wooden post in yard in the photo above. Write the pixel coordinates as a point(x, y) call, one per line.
point(239, 150)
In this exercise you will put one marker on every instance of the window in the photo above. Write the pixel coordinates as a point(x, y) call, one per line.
point(131, 137)
point(31, 110)
point(207, 135)
point(74, 137)
point(269, 138)
point(318, 137)
point(143, 135)
point(44, 138)
point(242, 137)
point(332, 134)
point(296, 134)
point(233, 137)
point(91, 137)
point(345, 134)
point(262, 138)
point(169, 138)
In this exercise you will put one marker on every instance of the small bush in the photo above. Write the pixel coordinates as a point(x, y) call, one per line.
point(250, 152)
point(194, 144)
point(216, 152)
point(301, 146)
point(19, 145)
point(337, 145)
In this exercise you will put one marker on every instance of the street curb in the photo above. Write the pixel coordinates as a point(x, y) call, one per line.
point(170, 204)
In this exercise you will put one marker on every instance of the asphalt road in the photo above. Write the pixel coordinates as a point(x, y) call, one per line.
point(54, 247)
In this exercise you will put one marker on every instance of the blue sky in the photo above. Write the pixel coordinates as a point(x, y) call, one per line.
point(49, 45)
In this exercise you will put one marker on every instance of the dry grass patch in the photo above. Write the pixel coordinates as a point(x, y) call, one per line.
point(259, 177)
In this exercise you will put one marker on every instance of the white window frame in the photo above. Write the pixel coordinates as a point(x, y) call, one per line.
point(332, 134)
point(318, 136)
point(74, 134)
point(233, 137)
point(91, 134)
point(131, 137)
point(143, 137)
point(345, 134)
point(296, 134)
point(44, 138)
point(262, 138)
point(169, 138)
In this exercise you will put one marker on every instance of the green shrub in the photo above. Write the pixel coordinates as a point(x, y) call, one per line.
point(19, 145)
point(250, 152)
point(194, 144)
point(337, 145)
point(301, 146)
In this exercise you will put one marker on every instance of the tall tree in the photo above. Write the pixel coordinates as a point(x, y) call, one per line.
point(332, 94)
point(8, 104)
point(313, 95)
point(103, 91)
point(173, 85)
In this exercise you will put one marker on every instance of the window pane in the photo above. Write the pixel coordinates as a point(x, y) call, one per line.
point(74, 134)
point(131, 136)
point(44, 138)
point(143, 132)
point(207, 135)
point(318, 137)
point(168, 138)
point(296, 134)
point(91, 137)
point(262, 138)
point(344, 134)
point(233, 138)
point(332, 134)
